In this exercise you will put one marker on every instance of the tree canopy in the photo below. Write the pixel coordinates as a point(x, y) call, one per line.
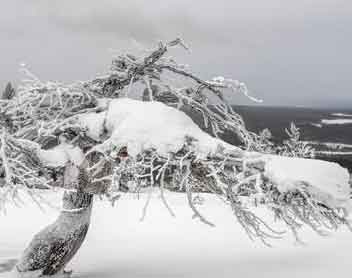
point(102, 131)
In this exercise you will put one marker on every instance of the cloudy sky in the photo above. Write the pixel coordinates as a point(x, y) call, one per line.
point(288, 52)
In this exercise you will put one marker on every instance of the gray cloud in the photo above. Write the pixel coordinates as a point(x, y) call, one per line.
point(289, 53)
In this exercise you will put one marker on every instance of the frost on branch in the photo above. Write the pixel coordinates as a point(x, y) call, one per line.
point(20, 168)
point(292, 147)
point(121, 144)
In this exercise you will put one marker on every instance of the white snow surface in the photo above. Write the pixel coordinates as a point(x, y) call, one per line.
point(61, 154)
point(119, 245)
point(142, 125)
point(316, 125)
point(341, 115)
point(336, 121)
point(331, 145)
point(94, 123)
point(328, 181)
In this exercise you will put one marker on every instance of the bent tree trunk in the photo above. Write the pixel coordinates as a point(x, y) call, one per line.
point(52, 248)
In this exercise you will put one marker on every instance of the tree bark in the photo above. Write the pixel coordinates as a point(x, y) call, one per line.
point(52, 248)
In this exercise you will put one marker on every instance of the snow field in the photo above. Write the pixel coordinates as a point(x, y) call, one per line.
point(120, 245)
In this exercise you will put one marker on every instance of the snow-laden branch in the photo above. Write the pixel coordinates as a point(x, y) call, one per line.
point(179, 156)
point(20, 168)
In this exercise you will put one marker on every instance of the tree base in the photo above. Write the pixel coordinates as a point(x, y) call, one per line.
point(53, 247)
point(38, 274)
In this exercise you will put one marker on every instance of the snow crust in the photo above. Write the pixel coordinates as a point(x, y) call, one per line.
point(143, 125)
point(328, 181)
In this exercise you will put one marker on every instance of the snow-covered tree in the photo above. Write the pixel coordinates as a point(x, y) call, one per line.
point(129, 130)
point(9, 92)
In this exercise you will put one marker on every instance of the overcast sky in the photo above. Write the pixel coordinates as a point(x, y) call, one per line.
point(288, 52)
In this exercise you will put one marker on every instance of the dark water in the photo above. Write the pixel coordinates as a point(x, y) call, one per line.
point(308, 120)
point(279, 118)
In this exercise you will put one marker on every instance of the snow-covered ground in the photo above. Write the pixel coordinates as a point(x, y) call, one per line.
point(341, 115)
point(331, 149)
point(331, 145)
point(119, 245)
point(336, 121)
